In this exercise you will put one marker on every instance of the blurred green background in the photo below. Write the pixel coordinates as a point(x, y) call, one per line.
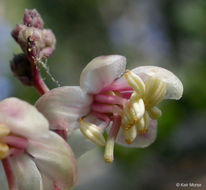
point(166, 33)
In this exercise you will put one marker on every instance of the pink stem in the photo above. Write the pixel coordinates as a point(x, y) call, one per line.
point(108, 99)
point(17, 142)
point(38, 82)
point(102, 108)
point(9, 174)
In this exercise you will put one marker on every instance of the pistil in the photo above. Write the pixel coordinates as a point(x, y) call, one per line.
point(109, 147)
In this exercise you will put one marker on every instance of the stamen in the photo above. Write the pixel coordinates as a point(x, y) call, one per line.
point(4, 131)
point(135, 82)
point(14, 141)
point(130, 134)
point(139, 109)
point(109, 148)
point(154, 92)
point(107, 99)
point(92, 132)
point(102, 108)
point(140, 126)
point(4, 151)
point(127, 115)
point(154, 112)
point(146, 122)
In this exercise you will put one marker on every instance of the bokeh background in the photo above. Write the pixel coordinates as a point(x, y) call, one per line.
point(166, 33)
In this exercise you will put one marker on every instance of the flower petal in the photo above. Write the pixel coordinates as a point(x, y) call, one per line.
point(64, 106)
point(102, 71)
point(47, 182)
point(79, 143)
point(54, 158)
point(26, 173)
point(174, 85)
point(22, 118)
point(140, 141)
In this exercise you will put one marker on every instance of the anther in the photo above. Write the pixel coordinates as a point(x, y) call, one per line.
point(4, 151)
point(135, 82)
point(92, 132)
point(155, 91)
point(4, 131)
point(139, 108)
point(130, 134)
point(154, 112)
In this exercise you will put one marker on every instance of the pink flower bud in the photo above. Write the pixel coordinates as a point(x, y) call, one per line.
point(33, 19)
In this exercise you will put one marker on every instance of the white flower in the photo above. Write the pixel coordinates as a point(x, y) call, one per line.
point(33, 157)
point(110, 97)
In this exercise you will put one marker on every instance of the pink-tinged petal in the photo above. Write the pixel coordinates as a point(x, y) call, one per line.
point(55, 159)
point(47, 182)
point(64, 106)
point(27, 175)
point(22, 118)
point(140, 141)
point(174, 85)
point(79, 143)
point(101, 72)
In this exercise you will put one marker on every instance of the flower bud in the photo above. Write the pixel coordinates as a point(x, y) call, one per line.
point(21, 68)
point(16, 31)
point(33, 19)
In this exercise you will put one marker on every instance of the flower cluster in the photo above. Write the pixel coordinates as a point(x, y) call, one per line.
point(111, 105)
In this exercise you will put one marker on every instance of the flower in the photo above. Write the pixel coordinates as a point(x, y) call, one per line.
point(112, 99)
point(33, 157)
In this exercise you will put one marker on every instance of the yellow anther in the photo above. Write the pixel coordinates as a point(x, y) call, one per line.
point(143, 125)
point(139, 108)
point(127, 117)
point(130, 134)
point(4, 151)
point(155, 91)
point(92, 132)
point(140, 125)
point(154, 112)
point(135, 82)
point(146, 122)
point(4, 131)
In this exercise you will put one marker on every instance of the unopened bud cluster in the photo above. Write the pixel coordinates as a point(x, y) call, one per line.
point(37, 44)
point(32, 35)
